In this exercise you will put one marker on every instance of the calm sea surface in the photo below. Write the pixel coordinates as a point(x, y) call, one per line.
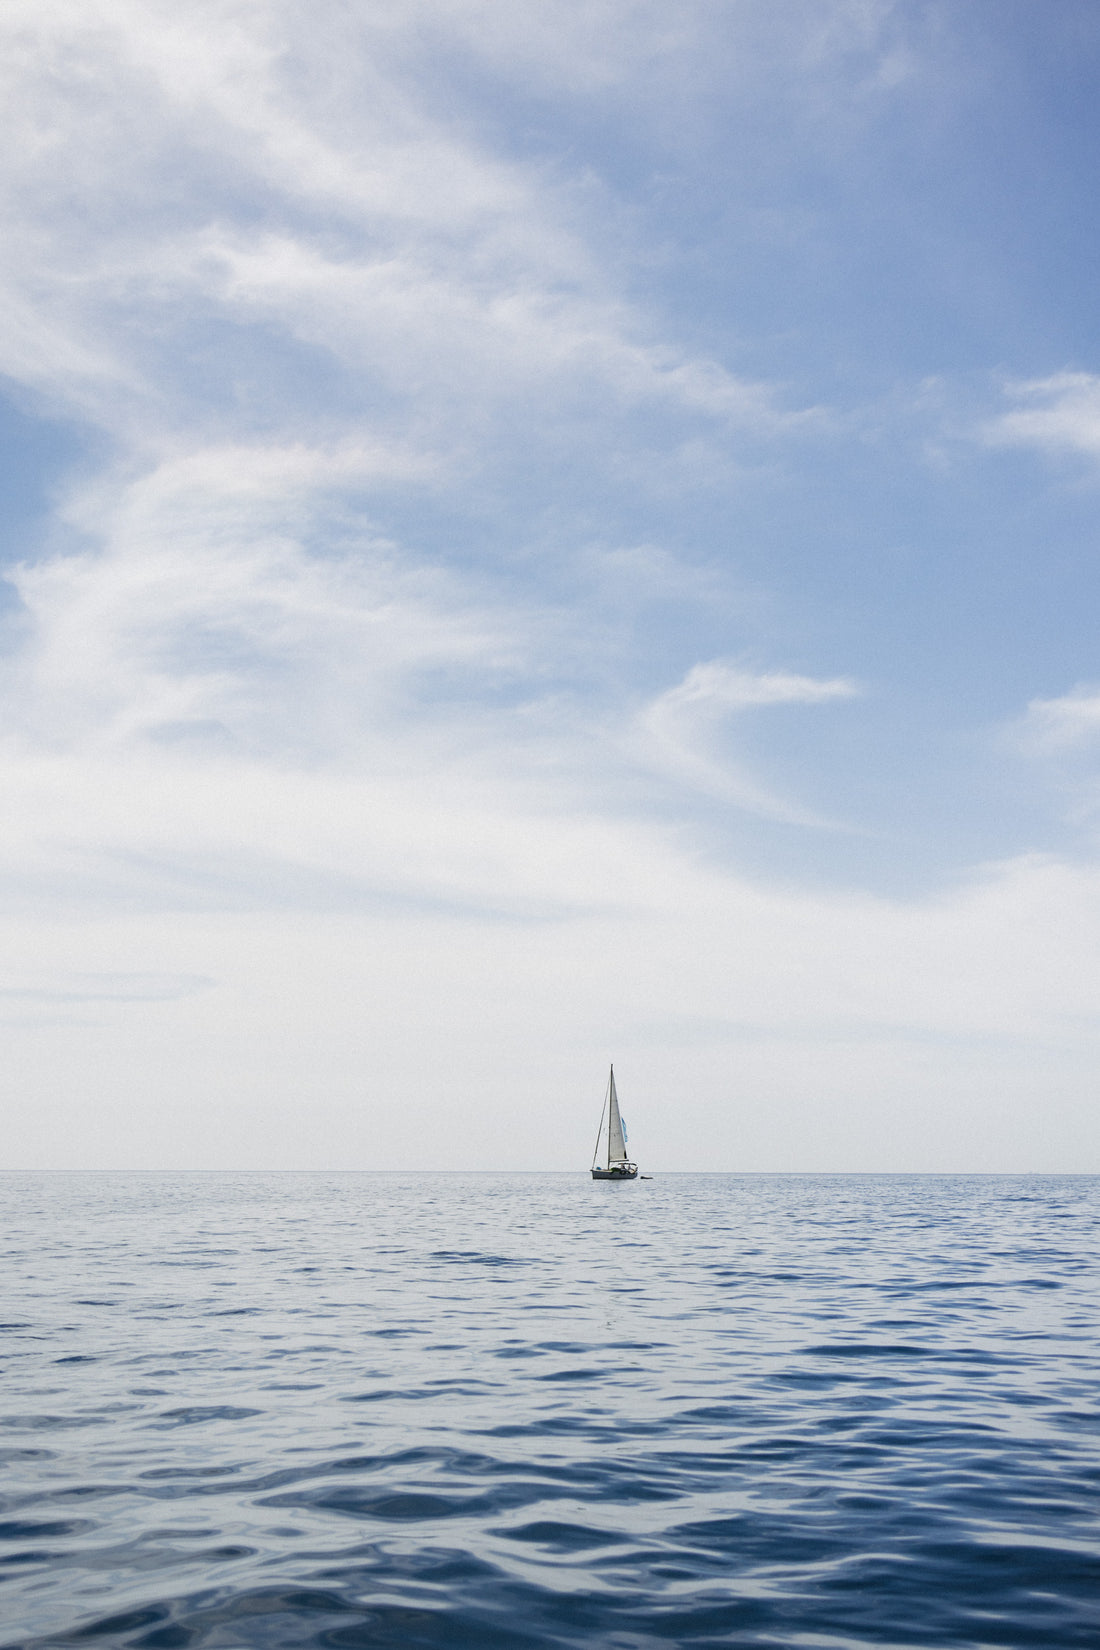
point(508, 1411)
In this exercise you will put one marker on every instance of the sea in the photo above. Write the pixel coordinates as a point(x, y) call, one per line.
point(364, 1411)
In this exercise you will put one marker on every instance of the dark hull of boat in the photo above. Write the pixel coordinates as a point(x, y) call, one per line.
point(615, 1174)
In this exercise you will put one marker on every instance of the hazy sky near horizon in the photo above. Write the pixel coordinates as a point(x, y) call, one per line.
point(535, 535)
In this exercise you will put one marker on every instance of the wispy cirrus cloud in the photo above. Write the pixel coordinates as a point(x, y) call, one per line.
point(222, 596)
point(683, 727)
point(336, 202)
point(718, 687)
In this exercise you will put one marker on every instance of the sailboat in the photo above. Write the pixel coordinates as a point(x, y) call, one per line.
point(617, 1166)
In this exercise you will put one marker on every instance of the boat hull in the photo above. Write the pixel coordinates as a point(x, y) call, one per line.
point(615, 1174)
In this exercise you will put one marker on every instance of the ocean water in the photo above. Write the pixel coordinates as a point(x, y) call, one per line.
point(527, 1411)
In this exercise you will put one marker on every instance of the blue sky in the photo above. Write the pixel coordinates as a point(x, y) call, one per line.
point(541, 535)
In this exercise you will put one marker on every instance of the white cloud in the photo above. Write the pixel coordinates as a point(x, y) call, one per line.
point(1056, 414)
point(722, 687)
point(1070, 722)
point(317, 188)
point(425, 328)
point(204, 606)
point(681, 729)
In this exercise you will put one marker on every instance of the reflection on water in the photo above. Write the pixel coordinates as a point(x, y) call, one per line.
point(383, 1410)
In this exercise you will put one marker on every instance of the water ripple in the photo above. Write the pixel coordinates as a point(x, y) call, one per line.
point(256, 1412)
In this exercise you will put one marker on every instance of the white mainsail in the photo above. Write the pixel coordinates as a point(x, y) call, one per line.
point(616, 1145)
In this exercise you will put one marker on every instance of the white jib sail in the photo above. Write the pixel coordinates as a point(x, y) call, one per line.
point(616, 1145)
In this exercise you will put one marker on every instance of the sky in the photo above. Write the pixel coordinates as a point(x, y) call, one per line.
point(534, 536)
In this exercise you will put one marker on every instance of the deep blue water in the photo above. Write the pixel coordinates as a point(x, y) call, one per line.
point(480, 1410)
